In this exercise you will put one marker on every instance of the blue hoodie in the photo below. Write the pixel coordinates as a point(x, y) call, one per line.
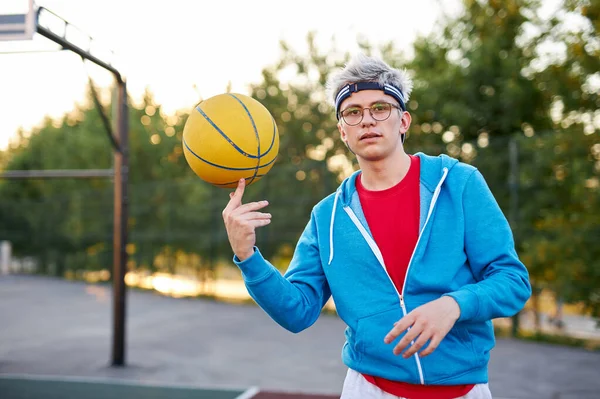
point(465, 250)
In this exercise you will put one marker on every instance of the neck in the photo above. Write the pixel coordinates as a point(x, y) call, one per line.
point(385, 173)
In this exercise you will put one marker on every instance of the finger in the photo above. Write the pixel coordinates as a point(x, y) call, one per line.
point(408, 338)
point(236, 198)
point(258, 222)
point(433, 344)
point(417, 345)
point(251, 207)
point(399, 327)
point(255, 215)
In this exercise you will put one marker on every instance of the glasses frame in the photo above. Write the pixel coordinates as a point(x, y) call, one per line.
point(362, 115)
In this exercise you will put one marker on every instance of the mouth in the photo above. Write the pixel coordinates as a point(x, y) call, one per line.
point(369, 135)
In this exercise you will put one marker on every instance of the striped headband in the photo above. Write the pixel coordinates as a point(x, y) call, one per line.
point(347, 91)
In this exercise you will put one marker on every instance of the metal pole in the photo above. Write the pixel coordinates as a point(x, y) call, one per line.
point(121, 168)
point(121, 177)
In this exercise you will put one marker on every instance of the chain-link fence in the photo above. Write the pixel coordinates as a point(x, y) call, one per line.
point(176, 225)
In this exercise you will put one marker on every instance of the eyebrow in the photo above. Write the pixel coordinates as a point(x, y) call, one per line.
point(359, 105)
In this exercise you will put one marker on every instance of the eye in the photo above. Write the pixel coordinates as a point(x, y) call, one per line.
point(380, 107)
point(352, 112)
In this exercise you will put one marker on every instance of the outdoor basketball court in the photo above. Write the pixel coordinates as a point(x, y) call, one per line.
point(55, 339)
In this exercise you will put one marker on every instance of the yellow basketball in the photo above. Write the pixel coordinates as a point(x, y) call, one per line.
point(228, 137)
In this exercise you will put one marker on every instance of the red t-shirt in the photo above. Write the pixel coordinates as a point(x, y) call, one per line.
point(393, 218)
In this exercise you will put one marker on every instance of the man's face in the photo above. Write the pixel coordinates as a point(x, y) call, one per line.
point(372, 139)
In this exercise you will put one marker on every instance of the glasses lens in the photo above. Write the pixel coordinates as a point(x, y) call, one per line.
point(352, 115)
point(381, 111)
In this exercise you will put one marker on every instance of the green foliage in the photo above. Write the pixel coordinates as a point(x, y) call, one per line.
point(485, 80)
point(68, 223)
point(561, 223)
point(470, 74)
point(41, 215)
point(573, 77)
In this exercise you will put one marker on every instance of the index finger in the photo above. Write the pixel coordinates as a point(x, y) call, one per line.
point(236, 196)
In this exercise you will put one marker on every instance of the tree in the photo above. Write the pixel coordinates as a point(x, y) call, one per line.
point(566, 174)
point(484, 81)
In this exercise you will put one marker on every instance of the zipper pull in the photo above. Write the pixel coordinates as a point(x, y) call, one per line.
point(402, 305)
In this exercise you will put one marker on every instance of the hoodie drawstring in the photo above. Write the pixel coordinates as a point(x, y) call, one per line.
point(436, 193)
point(335, 200)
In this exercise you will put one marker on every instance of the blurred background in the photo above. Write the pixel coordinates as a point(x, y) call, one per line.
point(508, 86)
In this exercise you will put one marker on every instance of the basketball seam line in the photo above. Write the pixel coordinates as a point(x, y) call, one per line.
point(221, 166)
point(244, 153)
point(255, 134)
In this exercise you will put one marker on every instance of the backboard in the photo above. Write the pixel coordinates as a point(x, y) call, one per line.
point(17, 20)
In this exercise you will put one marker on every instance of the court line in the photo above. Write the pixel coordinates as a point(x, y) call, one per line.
point(249, 393)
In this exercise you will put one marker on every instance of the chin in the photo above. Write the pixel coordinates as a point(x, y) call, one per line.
point(372, 156)
point(376, 153)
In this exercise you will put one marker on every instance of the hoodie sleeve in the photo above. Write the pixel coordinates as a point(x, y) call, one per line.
point(503, 281)
point(295, 299)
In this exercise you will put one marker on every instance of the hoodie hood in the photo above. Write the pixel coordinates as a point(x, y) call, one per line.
point(434, 170)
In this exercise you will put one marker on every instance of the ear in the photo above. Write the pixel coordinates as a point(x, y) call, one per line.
point(343, 134)
point(405, 122)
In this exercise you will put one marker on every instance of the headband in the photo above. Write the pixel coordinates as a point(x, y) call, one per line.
point(347, 91)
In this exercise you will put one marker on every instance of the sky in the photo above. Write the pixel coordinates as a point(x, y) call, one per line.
point(187, 49)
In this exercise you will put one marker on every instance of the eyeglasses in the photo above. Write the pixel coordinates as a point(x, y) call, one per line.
point(379, 111)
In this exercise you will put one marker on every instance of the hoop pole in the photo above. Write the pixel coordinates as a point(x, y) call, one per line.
point(121, 180)
point(121, 169)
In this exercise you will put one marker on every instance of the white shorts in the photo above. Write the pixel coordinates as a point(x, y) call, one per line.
point(357, 387)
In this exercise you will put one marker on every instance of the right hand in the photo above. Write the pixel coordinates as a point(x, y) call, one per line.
point(242, 220)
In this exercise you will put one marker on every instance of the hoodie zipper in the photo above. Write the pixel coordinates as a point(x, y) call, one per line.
point(436, 194)
point(379, 256)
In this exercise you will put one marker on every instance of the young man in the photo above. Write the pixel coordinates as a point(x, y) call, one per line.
point(414, 249)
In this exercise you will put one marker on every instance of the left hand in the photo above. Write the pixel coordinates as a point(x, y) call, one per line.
point(429, 322)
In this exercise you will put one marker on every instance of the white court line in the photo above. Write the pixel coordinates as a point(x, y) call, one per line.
point(113, 381)
point(249, 394)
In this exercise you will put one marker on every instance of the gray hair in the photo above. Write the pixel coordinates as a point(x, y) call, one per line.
point(362, 68)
